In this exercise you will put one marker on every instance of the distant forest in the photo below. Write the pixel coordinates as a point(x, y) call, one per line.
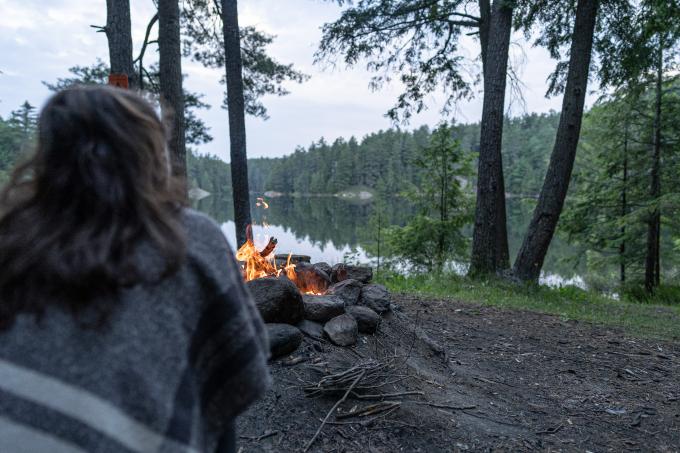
point(383, 161)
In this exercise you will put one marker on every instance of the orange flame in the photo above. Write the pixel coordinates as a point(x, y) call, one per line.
point(262, 263)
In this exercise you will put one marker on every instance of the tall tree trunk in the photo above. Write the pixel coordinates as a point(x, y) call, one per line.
point(484, 18)
point(119, 34)
point(237, 122)
point(172, 96)
point(490, 238)
point(556, 183)
point(624, 207)
point(652, 260)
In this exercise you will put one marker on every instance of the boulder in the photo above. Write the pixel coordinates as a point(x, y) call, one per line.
point(277, 299)
point(367, 319)
point(348, 290)
point(283, 339)
point(342, 330)
point(342, 272)
point(322, 308)
point(281, 259)
point(375, 297)
point(324, 267)
point(311, 329)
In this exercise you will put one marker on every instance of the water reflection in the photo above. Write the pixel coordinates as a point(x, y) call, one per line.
point(329, 229)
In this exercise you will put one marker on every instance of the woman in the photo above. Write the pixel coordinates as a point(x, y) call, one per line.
point(124, 323)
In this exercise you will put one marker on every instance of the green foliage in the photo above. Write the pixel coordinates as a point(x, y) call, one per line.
point(16, 137)
point(384, 161)
point(262, 74)
point(435, 236)
point(610, 200)
point(413, 41)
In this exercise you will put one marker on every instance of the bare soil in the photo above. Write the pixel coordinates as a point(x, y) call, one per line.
point(493, 380)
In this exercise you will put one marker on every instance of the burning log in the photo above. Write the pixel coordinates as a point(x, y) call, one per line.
point(271, 245)
point(268, 249)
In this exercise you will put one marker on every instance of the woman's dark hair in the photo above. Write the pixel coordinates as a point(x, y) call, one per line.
point(73, 217)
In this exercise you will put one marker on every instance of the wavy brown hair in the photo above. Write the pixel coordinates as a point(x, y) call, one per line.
point(73, 217)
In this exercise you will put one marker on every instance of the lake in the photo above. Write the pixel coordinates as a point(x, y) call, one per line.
point(332, 229)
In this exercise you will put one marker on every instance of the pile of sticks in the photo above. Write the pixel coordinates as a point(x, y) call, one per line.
point(362, 381)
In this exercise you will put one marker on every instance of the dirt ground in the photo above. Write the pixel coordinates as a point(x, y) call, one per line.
point(493, 380)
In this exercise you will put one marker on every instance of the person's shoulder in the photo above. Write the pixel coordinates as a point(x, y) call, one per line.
point(198, 221)
point(202, 230)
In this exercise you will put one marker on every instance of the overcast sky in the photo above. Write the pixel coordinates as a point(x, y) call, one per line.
point(41, 39)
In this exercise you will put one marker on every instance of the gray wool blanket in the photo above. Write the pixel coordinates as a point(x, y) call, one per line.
point(173, 366)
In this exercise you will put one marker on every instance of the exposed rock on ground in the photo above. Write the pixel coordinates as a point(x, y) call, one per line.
point(348, 290)
point(277, 299)
point(367, 319)
point(283, 339)
point(340, 272)
point(311, 329)
point(375, 297)
point(323, 308)
point(342, 330)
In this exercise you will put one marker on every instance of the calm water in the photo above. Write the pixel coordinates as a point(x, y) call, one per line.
point(331, 229)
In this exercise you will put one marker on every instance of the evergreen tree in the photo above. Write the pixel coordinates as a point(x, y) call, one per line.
point(434, 237)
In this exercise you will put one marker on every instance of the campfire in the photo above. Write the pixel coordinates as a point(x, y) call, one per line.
point(264, 263)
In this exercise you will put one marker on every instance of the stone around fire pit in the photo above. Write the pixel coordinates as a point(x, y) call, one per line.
point(277, 299)
point(366, 319)
point(375, 297)
point(311, 329)
point(282, 259)
point(342, 272)
point(342, 330)
point(283, 339)
point(322, 308)
point(348, 290)
point(325, 267)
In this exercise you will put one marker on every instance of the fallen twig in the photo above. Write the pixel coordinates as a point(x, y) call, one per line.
point(335, 406)
point(444, 406)
point(385, 395)
point(258, 438)
point(370, 410)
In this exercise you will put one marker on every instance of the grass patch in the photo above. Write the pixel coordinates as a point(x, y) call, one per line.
point(648, 319)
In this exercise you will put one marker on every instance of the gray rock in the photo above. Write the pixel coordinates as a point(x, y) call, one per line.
point(342, 330)
point(277, 299)
point(342, 272)
point(283, 339)
point(366, 319)
point(311, 329)
point(281, 259)
point(322, 308)
point(348, 290)
point(375, 297)
point(324, 267)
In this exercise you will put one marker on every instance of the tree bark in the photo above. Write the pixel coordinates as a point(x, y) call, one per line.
point(119, 35)
point(237, 124)
point(624, 208)
point(551, 200)
point(490, 239)
point(652, 260)
point(484, 17)
point(172, 95)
